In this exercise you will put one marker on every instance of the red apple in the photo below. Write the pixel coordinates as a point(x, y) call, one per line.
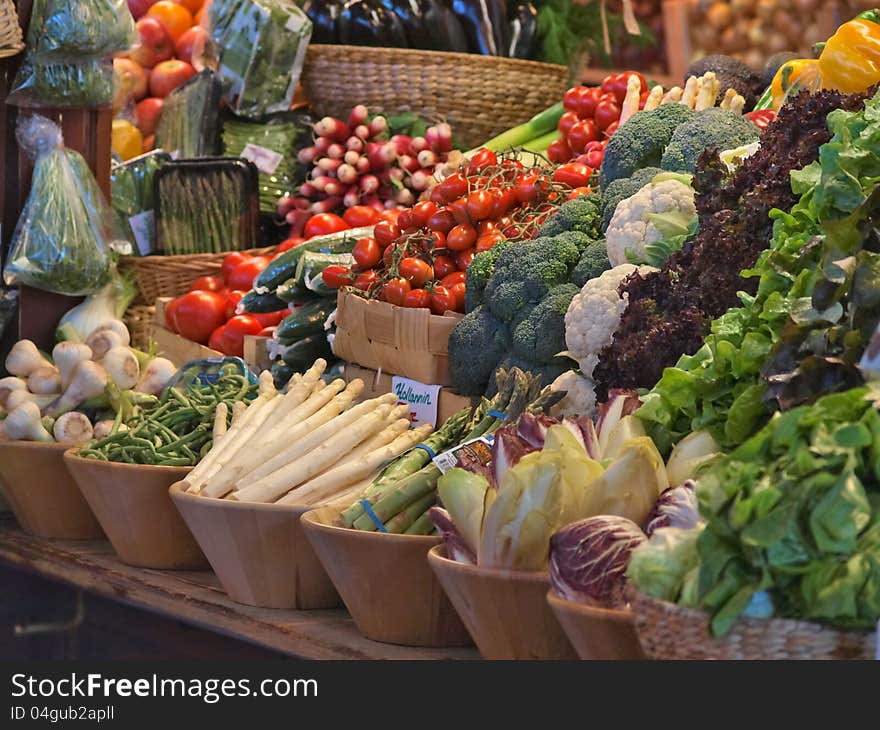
point(149, 143)
point(168, 75)
point(146, 115)
point(154, 45)
point(191, 45)
point(139, 7)
point(131, 82)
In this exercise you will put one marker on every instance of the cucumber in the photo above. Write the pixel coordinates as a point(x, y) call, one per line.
point(253, 302)
point(311, 264)
point(290, 291)
point(307, 320)
point(283, 267)
point(281, 372)
point(301, 355)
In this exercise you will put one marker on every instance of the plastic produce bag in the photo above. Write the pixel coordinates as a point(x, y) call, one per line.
point(59, 242)
point(131, 198)
point(262, 46)
point(8, 308)
point(85, 27)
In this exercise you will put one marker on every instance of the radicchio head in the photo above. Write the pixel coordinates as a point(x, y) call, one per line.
point(676, 507)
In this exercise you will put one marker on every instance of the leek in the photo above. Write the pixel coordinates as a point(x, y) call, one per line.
point(539, 125)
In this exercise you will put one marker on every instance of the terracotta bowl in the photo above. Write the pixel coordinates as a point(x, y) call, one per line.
point(258, 551)
point(132, 504)
point(386, 583)
point(506, 611)
point(595, 632)
point(41, 493)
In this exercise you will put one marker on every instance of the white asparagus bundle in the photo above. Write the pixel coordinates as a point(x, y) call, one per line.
point(314, 461)
point(220, 421)
point(344, 476)
point(708, 92)
point(301, 441)
point(738, 104)
point(238, 409)
point(728, 99)
point(689, 97)
point(631, 101)
point(267, 442)
point(396, 424)
point(655, 98)
point(673, 96)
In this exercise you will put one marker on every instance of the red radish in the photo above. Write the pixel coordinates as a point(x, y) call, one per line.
point(419, 180)
point(355, 143)
point(361, 132)
point(439, 137)
point(380, 155)
point(328, 205)
point(351, 157)
point(357, 116)
point(300, 217)
point(346, 174)
point(333, 189)
point(395, 174)
point(320, 183)
point(301, 203)
point(335, 151)
point(390, 204)
point(377, 125)
point(321, 145)
point(417, 145)
point(405, 197)
point(386, 192)
point(369, 184)
point(307, 155)
point(362, 165)
point(327, 165)
point(373, 202)
point(401, 143)
point(333, 129)
point(408, 163)
point(427, 158)
point(285, 204)
point(351, 197)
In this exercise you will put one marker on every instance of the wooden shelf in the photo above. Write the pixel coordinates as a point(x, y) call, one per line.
point(196, 598)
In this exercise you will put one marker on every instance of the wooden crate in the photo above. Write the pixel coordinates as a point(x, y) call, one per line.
point(256, 353)
point(171, 345)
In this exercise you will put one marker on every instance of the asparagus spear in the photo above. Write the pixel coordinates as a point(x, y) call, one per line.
point(422, 526)
point(404, 519)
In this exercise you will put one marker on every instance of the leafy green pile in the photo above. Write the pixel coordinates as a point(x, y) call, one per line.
point(816, 303)
point(795, 512)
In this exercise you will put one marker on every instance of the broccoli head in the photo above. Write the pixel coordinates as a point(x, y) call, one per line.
point(478, 274)
point(640, 141)
point(622, 189)
point(548, 372)
point(539, 335)
point(527, 270)
point(476, 344)
point(580, 214)
point(593, 261)
point(710, 127)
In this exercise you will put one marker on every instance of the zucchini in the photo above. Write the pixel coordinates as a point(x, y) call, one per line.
point(281, 372)
point(307, 320)
point(253, 302)
point(283, 266)
point(301, 355)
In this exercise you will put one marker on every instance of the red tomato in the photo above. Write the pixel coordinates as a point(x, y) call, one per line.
point(436, 196)
point(607, 113)
point(458, 291)
point(443, 266)
point(422, 213)
point(367, 253)
point(366, 279)
point(570, 100)
point(171, 308)
point(270, 319)
point(417, 298)
point(457, 277)
point(359, 216)
point(484, 227)
point(405, 221)
point(573, 174)
point(267, 331)
point(618, 87)
point(390, 215)
point(336, 276)
point(198, 314)
point(463, 259)
point(504, 201)
point(235, 330)
point(324, 223)
point(481, 160)
point(587, 101)
point(386, 233)
point(528, 188)
point(232, 299)
point(395, 290)
point(442, 221)
point(207, 283)
point(230, 262)
point(576, 193)
point(288, 244)
point(453, 187)
point(460, 211)
point(566, 122)
point(243, 275)
point(416, 272)
point(582, 134)
point(484, 243)
point(612, 128)
point(559, 151)
point(608, 83)
point(479, 205)
point(438, 240)
point(461, 238)
point(442, 300)
point(215, 342)
point(594, 158)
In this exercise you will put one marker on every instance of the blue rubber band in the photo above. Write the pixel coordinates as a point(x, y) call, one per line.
point(427, 449)
point(497, 414)
point(368, 508)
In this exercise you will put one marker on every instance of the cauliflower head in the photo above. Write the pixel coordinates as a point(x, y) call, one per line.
point(580, 395)
point(594, 315)
point(659, 210)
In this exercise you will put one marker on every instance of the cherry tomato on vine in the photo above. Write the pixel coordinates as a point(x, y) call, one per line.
point(367, 253)
point(442, 221)
point(479, 205)
point(395, 290)
point(390, 215)
point(422, 213)
point(386, 233)
point(566, 122)
point(484, 227)
point(573, 174)
point(458, 292)
point(323, 224)
point(461, 238)
point(366, 279)
point(581, 135)
point(528, 188)
point(360, 215)
point(587, 101)
point(504, 201)
point(463, 259)
point(436, 196)
point(442, 300)
point(559, 151)
point(612, 128)
point(484, 243)
point(454, 187)
point(460, 211)
point(438, 238)
point(416, 271)
point(481, 160)
point(443, 266)
point(576, 193)
point(405, 221)
point(336, 276)
point(417, 298)
point(607, 112)
point(455, 277)
point(594, 158)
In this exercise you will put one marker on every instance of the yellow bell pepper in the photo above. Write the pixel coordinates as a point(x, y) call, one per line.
point(126, 139)
point(850, 61)
point(802, 73)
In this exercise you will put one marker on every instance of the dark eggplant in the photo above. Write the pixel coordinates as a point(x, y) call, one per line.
point(497, 10)
point(446, 30)
point(395, 31)
point(324, 15)
point(410, 14)
point(477, 23)
point(363, 23)
point(522, 31)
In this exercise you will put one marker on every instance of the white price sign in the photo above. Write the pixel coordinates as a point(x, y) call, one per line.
point(422, 399)
point(266, 160)
point(142, 226)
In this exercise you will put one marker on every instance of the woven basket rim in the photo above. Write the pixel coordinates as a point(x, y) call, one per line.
point(175, 258)
point(416, 53)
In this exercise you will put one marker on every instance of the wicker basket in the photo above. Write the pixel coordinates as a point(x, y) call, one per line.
point(667, 631)
point(11, 39)
point(139, 320)
point(480, 96)
point(171, 276)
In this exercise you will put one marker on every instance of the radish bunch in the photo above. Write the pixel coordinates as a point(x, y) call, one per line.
point(356, 163)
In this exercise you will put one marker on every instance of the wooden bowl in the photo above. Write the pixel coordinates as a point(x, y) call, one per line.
point(506, 611)
point(258, 551)
point(385, 583)
point(132, 503)
point(595, 632)
point(41, 493)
